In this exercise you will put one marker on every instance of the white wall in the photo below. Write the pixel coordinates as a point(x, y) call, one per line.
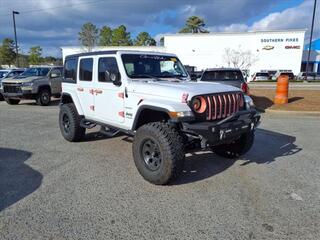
point(207, 50)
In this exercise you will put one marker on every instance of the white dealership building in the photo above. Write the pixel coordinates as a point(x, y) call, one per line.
point(259, 50)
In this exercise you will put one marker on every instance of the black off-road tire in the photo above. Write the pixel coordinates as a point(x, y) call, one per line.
point(170, 148)
point(236, 149)
point(44, 97)
point(71, 130)
point(12, 101)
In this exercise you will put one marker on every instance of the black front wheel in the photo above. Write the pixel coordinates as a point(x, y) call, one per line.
point(158, 152)
point(44, 97)
point(237, 148)
point(69, 123)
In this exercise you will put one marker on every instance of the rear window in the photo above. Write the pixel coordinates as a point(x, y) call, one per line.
point(70, 70)
point(86, 66)
point(259, 74)
point(222, 76)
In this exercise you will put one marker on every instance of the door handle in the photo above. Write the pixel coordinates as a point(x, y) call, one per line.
point(98, 91)
point(80, 89)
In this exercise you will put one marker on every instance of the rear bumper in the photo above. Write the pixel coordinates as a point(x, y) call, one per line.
point(224, 131)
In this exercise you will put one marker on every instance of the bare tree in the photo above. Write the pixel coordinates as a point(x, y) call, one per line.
point(239, 58)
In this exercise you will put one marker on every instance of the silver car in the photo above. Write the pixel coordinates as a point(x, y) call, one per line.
point(261, 76)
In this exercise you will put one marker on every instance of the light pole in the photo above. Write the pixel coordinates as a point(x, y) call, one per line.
point(309, 50)
point(15, 36)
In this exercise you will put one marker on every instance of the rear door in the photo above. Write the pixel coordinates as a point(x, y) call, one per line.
point(109, 98)
point(85, 88)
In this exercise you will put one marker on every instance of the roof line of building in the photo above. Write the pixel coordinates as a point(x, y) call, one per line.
point(113, 47)
point(246, 32)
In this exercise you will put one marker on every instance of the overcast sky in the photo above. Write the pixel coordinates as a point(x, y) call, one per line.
point(55, 23)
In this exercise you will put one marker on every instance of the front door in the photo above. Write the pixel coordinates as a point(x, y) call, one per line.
point(109, 98)
point(85, 88)
point(55, 79)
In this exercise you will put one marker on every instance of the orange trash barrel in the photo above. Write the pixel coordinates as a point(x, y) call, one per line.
point(282, 89)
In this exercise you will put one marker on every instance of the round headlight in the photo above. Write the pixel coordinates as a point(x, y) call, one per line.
point(199, 104)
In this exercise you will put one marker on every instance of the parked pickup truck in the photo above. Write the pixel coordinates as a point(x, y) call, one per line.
point(228, 76)
point(39, 83)
point(149, 96)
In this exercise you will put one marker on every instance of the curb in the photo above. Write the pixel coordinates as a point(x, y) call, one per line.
point(291, 113)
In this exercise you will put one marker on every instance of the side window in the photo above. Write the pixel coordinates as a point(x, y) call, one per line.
point(11, 74)
point(70, 70)
point(55, 73)
point(85, 73)
point(106, 64)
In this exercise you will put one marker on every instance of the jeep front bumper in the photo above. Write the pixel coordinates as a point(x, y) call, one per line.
point(223, 131)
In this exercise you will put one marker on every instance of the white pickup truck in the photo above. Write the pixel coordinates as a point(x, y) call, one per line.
point(150, 96)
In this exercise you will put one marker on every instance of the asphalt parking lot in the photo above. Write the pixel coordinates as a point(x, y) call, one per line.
point(53, 189)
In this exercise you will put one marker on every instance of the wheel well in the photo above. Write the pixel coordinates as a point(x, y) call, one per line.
point(150, 115)
point(44, 87)
point(66, 99)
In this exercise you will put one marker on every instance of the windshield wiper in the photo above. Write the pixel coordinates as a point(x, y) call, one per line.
point(146, 76)
point(178, 76)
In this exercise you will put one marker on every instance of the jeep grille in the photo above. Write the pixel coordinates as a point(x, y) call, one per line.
point(220, 105)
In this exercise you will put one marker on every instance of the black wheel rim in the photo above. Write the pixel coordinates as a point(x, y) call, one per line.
point(151, 154)
point(45, 97)
point(66, 123)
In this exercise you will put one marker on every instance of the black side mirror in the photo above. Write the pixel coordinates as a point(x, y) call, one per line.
point(54, 75)
point(114, 77)
point(193, 76)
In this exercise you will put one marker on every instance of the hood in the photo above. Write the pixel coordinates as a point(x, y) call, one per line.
point(21, 79)
point(174, 89)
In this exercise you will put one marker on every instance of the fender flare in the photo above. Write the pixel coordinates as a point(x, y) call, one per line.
point(149, 107)
point(38, 87)
point(75, 101)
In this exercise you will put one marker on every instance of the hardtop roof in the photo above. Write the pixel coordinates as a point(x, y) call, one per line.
point(117, 51)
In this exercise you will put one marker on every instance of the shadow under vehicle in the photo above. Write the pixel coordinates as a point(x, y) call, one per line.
point(17, 180)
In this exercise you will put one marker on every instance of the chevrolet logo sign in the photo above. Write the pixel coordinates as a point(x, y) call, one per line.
point(268, 47)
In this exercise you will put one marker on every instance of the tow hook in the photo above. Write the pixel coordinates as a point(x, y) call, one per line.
point(222, 134)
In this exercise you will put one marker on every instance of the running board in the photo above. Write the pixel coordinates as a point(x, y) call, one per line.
point(108, 131)
point(87, 124)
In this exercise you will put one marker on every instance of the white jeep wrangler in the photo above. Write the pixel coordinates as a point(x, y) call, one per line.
point(149, 96)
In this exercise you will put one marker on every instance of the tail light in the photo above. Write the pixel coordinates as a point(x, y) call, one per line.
point(245, 88)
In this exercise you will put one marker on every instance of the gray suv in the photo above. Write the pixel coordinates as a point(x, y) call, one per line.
point(39, 83)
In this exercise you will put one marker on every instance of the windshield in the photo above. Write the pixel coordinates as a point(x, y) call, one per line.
point(3, 74)
point(222, 76)
point(146, 66)
point(36, 72)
